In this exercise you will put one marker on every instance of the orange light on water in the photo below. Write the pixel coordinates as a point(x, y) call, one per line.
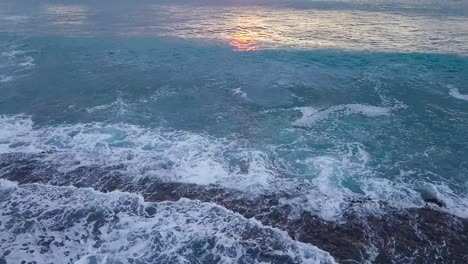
point(244, 41)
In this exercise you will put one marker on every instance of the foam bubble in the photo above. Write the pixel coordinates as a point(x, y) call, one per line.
point(344, 176)
point(6, 185)
point(19, 58)
point(162, 92)
point(328, 195)
point(118, 106)
point(397, 194)
point(68, 225)
point(311, 115)
point(14, 63)
point(455, 93)
point(15, 18)
point(4, 78)
point(15, 130)
point(239, 92)
point(453, 203)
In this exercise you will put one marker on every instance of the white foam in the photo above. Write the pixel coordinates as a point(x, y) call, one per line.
point(15, 18)
point(453, 203)
point(7, 185)
point(85, 226)
point(162, 92)
point(167, 155)
point(27, 63)
point(367, 110)
point(118, 106)
point(311, 115)
point(12, 53)
point(239, 92)
point(455, 93)
point(15, 130)
point(328, 196)
point(98, 108)
point(19, 57)
point(397, 194)
point(4, 78)
point(14, 63)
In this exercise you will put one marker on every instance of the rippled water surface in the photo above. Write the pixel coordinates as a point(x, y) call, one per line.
point(319, 103)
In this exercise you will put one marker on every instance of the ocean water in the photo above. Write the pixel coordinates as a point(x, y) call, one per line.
point(317, 103)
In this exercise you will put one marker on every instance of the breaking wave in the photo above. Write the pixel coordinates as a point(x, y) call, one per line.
point(329, 185)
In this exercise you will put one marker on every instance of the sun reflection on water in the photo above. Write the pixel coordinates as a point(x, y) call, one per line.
point(252, 28)
point(246, 32)
point(244, 41)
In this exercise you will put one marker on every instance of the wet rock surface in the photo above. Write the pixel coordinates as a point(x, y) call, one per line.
point(417, 235)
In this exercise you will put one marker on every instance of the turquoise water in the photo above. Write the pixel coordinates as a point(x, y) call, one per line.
point(327, 101)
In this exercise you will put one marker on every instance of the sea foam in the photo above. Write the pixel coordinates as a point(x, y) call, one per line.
point(311, 115)
point(167, 155)
point(70, 225)
point(455, 93)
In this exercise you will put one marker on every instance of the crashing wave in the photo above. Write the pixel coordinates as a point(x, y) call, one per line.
point(328, 186)
point(69, 225)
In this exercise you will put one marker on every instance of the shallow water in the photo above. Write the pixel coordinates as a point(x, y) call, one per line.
point(320, 103)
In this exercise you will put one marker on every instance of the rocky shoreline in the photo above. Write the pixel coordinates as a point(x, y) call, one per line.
point(416, 235)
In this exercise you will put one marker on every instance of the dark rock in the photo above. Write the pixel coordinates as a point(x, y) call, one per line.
point(434, 201)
